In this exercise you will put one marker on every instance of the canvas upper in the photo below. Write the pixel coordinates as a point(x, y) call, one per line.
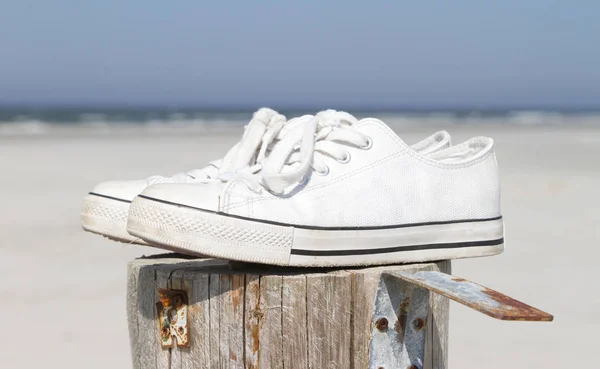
point(361, 175)
point(106, 207)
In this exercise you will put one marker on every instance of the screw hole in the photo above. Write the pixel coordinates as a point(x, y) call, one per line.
point(381, 324)
point(419, 323)
point(176, 301)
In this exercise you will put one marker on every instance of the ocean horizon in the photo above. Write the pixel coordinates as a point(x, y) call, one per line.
point(46, 120)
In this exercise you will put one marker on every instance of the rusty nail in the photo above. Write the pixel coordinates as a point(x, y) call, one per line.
point(180, 330)
point(164, 332)
point(382, 324)
point(380, 367)
point(412, 367)
point(176, 301)
point(419, 323)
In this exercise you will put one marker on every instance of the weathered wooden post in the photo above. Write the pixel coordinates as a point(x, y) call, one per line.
point(209, 313)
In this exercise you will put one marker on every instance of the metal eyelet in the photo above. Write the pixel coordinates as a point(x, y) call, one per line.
point(324, 172)
point(346, 158)
point(368, 145)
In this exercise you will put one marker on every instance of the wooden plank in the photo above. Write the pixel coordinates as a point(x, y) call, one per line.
point(340, 319)
point(270, 338)
point(147, 343)
point(214, 321)
point(293, 310)
point(236, 331)
point(163, 355)
point(232, 321)
point(224, 315)
point(133, 270)
point(438, 324)
point(198, 354)
point(316, 305)
point(251, 320)
point(329, 320)
point(364, 288)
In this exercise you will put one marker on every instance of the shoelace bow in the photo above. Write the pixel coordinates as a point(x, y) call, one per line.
point(259, 135)
point(303, 149)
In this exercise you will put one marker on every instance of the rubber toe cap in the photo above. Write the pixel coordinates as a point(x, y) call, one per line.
point(204, 196)
point(120, 190)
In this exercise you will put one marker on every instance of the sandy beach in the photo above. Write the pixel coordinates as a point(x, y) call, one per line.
point(63, 290)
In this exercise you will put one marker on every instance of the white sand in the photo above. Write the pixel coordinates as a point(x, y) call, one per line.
point(62, 299)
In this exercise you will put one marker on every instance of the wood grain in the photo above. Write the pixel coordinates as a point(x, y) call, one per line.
point(293, 320)
point(329, 319)
point(270, 343)
point(147, 344)
point(214, 332)
point(197, 287)
point(252, 320)
point(258, 318)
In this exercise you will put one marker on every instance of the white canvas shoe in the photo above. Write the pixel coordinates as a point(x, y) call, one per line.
point(106, 207)
point(336, 194)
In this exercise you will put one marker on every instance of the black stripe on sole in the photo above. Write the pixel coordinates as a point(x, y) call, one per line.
point(431, 246)
point(109, 197)
point(407, 225)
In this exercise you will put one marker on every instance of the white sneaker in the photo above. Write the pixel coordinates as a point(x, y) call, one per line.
point(106, 207)
point(354, 195)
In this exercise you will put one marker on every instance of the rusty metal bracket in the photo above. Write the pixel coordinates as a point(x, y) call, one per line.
point(475, 296)
point(173, 318)
point(398, 329)
point(401, 308)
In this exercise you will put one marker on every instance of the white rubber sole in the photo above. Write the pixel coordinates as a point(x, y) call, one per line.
point(199, 232)
point(107, 217)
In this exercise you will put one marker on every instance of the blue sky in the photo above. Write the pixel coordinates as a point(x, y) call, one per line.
point(310, 53)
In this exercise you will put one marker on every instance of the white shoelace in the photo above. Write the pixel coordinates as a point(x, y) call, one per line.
point(303, 149)
point(259, 135)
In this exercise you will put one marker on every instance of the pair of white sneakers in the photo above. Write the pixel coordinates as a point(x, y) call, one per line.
point(323, 190)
